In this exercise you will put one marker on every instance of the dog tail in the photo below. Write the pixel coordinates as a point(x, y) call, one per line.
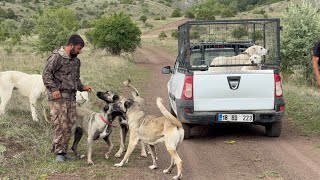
point(167, 114)
point(127, 83)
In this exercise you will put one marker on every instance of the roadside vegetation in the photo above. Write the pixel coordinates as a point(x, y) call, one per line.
point(298, 37)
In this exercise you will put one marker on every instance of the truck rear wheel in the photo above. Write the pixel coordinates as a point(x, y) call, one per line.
point(187, 130)
point(273, 129)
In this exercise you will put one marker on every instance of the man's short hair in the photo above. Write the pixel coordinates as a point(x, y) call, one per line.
point(75, 39)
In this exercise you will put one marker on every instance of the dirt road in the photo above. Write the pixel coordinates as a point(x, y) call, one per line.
point(208, 156)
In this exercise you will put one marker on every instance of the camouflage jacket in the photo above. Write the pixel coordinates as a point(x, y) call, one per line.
point(62, 73)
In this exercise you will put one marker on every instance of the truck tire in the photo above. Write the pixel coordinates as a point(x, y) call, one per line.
point(273, 129)
point(187, 130)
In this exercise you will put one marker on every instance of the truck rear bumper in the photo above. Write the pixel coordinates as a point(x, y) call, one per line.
point(206, 118)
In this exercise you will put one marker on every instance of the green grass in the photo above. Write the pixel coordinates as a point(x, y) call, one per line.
point(26, 144)
point(302, 108)
point(270, 175)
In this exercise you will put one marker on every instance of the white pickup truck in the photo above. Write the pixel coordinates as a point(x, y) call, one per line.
point(201, 97)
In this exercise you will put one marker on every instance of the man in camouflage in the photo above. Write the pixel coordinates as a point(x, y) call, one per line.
point(61, 76)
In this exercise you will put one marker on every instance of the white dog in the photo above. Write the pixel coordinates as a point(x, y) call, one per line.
point(254, 59)
point(29, 85)
point(239, 59)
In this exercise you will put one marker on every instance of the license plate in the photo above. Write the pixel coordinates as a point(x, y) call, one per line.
point(236, 117)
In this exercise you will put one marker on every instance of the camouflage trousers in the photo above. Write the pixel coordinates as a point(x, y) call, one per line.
point(63, 117)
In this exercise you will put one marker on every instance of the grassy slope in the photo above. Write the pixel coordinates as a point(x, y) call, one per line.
point(93, 8)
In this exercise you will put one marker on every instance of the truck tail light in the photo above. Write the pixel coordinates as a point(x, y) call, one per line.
point(187, 91)
point(277, 86)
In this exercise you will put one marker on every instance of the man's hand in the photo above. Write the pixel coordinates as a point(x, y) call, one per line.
point(56, 95)
point(87, 88)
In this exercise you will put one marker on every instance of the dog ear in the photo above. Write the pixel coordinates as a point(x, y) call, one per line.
point(128, 103)
point(251, 50)
point(134, 94)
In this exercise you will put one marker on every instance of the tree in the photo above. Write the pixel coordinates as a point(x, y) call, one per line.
point(299, 36)
point(54, 27)
point(115, 33)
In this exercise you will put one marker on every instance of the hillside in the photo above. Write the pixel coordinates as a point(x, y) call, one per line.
point(153, 9)
point(91, 9)
point(274, 10)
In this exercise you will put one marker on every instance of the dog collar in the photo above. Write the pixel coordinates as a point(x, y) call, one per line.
point(106, 121)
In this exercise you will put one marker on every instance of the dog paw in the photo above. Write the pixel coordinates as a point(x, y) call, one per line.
point(153, 167)
point(118, 154)
point(82, 156)
point(118, 165)
point(176, 177)
point(90, 162)
point(166, 171)
point(127, 161)
point(143, 154)
point(107, 156)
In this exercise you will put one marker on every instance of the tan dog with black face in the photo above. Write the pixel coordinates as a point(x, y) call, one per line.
point(106, 96)
point(151, 130)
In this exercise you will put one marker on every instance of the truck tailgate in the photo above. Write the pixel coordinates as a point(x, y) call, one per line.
point(220, 91)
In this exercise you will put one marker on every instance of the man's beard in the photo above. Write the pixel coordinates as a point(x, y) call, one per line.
point(73, 54)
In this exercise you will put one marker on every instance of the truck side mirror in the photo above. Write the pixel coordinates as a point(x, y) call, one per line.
point(166, 70)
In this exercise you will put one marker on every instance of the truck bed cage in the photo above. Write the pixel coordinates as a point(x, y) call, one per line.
point(197, 40)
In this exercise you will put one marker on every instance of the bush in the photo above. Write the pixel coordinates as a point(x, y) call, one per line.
point(126, 1)
point(195, 35)
point(54, 27)
point(9, 32)
point(27, 26)
point(239, 32)
point(174, 34)
point(143, 18)
point(176, 13)
point(189, 14)
point(115, 33)
point(257, 35)
point(148, 25)
point(298, 37)
point(162, 35)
